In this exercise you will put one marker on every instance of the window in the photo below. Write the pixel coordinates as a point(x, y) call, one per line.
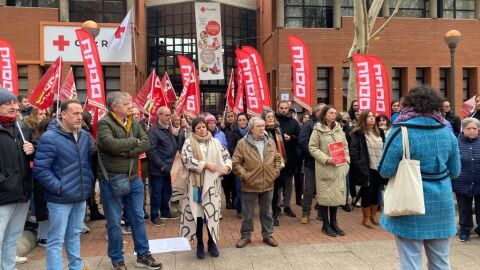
point(111, 77)
point(420, 77)
point(411, 8)
point(346, 73)
point(22, 80)
point(444, 82)
point(104, 11)
point(347, 8)
point(309, 13)
point(457, 9)
point(323, 85)
point(33, 3)
point(396, 83)
point(467, 77)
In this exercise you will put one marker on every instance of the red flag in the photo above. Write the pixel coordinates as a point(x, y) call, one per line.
point(250, 80)
point(238, 105)
point(365, 83)
point(469, 107)
point(144, 99)
point(168, 91)
point(93, 69)
point(97, 114)
point(43, 95)
point(191, 101)
point(302, 86)
point(8, 67)
point(260, 72)
point(159, 100)
point(382, 86)
point(231, 88)
point(68, 91)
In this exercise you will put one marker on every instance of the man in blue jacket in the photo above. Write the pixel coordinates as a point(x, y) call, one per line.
point(63, 166)
point(163, 148)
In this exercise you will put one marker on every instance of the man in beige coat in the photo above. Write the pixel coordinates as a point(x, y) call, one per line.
point(257, 162)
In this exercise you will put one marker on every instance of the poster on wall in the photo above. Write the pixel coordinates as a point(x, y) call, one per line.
point(209, 41)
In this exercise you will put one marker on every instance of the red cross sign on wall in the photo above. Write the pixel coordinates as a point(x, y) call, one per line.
point(61, 43)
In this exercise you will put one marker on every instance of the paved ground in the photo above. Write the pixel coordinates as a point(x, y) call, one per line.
point(300, 247)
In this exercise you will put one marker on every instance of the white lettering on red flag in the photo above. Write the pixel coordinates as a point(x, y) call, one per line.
point(8, 67)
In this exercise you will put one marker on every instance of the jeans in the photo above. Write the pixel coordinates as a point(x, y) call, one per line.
point(12, 221)
point(43, 229)
point(238, 191)
point(113, 206)
point(160, 194)
point(66, 224)
point(310, 187)
point(465, 212)
point(410, 253)
point(265, 202)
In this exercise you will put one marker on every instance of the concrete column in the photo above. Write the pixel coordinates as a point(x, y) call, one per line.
point(64, 11)
point(280, 4)
point(433, 9)
point(337, 14)
point(477, 9)
point(386, 9)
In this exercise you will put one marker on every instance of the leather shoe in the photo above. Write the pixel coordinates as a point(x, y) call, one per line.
point(270, 241)
point(243, 242)
point(288, 211)
point(346, 208)
point(276, 222)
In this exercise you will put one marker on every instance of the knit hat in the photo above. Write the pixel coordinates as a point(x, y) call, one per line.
point(6, 96)
point(209, 118)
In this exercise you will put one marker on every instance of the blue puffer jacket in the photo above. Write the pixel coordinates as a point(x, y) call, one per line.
point(468, 183)
point(64, 166)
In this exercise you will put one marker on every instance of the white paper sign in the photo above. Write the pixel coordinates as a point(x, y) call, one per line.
point(168, 245)
point(209, 41)
point(62, 41)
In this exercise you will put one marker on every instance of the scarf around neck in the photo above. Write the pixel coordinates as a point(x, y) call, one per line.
point(128, 126)
point(243, 131)
point(7, 120)
point(195, 141)
point(409, 113)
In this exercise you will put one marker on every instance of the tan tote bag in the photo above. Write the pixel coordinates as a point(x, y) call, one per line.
point(404, 192)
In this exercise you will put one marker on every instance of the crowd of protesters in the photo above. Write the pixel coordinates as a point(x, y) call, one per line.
point(235, 159)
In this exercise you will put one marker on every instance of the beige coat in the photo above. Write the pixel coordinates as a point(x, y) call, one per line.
point(330, 179)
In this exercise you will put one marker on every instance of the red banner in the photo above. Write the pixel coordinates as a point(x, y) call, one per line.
point(238, 104)
point(93, 68)
point(250, 80)
point(191, 99)
point(159, 100)
point(144, 99)
point(366, 90)
point(231, 88)
point(382, 86)
point(168, 91)
point(302, 82)
point(68, 90)
point(8, 67)
point(96, 113)
point(260, 72)
point(43, 95)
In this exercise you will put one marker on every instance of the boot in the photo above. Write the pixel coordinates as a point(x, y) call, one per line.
point(327, 229)
point(95, 214)
point(373, 215)
point(212, 247)
point(335, 228)
point(199, 234)
point(366, 218)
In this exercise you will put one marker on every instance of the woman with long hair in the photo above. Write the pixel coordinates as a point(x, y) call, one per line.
point(330, 176)
point(202, 154)
point(366, 150)
point(383, 123)
point(33, 119)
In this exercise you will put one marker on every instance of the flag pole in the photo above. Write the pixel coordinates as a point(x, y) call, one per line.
point(59, 78)
point(134, 42)
point(151, 96)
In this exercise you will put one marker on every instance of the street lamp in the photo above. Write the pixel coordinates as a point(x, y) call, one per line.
point(91, 27)
point(452, 38)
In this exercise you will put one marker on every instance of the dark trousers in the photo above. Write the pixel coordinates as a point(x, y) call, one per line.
point(228, 184)
point(160, 194)
point(370, 192)
point(277, 186)
point(465, 211)
point(310, 187)
point(299, 182)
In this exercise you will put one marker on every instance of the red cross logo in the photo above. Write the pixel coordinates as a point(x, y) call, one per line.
point(61, 43)
point(203, 9)
point(119, 32)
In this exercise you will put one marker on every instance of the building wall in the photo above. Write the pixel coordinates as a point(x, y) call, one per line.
point(406, 43)
point(250, 4)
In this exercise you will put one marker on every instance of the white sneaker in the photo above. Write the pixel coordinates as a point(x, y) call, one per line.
point(85, 229)
point(20, 260)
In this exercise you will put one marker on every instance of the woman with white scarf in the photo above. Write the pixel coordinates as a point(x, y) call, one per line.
point(207, 161)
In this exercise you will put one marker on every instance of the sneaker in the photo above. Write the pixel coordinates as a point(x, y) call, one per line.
point(32, 219)
point(147, 261)
point(119, 266)
point(157, 222)
point(126, 229)
point(20, 260)
point(305, 219)
point(170, 216)
point(42, 243)
point(85, 229)
point(464, 237)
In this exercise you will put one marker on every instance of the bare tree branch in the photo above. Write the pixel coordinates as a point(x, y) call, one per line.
point(397, 7)
point(373, 13)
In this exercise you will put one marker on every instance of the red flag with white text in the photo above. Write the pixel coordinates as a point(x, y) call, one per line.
point(302, 82)
point(238, 104)
point(144, 99)
point(93, 69)
point(168, 91)
point(43, 95)
point(366, 90)
point(231, 88)
point(68, 90)
point(250, 81)
point(382, 86)
point(191, 99)
point(262, 78)
point(121, 35)
point(8, 67)
point(159, 100)
point(96, 113)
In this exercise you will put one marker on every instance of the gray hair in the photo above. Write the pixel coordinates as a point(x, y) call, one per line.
point(116, 97)
point(267, 111)
point(252, 121)
point(162, 110)
point(469, 120)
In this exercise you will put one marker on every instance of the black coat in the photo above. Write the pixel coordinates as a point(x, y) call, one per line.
point(163, 148)
point(468, 183)
point(289, 126)
point(359, 158)
point(15, 172)
point(455, 122)
point(233, 139)
point(303, 140)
